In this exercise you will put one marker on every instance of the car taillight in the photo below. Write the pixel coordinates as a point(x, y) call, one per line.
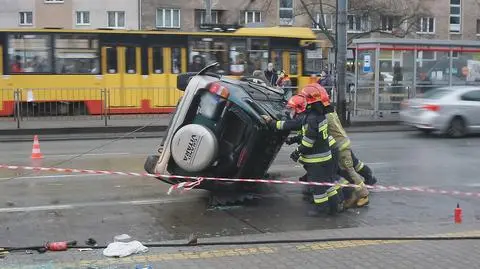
point(433, 108)
point(219, 90)
point(241, 158)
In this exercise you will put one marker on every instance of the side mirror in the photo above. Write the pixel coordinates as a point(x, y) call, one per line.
point(183, 80)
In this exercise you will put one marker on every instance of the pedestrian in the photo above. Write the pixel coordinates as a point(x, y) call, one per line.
point(271, 74)
point(314, 154)
point(285, 83)
point(360, 196)
point(326, 81)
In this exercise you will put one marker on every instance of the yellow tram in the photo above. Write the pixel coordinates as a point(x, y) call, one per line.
point(130, 72)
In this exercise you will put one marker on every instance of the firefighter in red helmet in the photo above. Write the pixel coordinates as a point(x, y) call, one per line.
point(314, 93)
point(314, 153)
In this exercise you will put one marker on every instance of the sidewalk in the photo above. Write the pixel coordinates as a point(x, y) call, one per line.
point(331, 254)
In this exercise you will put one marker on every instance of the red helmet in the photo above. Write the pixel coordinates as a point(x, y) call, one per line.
point(315, 93)
point(297, 104)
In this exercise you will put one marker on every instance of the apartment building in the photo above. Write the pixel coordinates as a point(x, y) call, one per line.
point(442, 19)
point(70, 14)
point(438, 19)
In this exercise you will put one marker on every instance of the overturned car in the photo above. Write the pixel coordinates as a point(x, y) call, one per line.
point(217, 130)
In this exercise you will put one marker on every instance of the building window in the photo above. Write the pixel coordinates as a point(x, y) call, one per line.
point(168, 18)
point(26, 18)
point(426, 25)
point(203, 17)
point(83, 17)
point(116, 19)
point(357, 23)
point(478, 26)
point(388, 23)
point(328, 19)
point(253, 17)
point(286, 12)
point(176, 60)
point(455, 15)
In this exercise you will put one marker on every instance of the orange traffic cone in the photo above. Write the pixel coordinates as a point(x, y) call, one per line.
point(36, 154)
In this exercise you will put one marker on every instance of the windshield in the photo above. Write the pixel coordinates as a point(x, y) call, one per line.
point(436, 94)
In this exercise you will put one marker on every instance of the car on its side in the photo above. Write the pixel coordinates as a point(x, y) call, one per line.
point(218, 130)
point(454, 111)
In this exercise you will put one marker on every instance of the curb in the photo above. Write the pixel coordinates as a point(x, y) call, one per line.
point(82, 130)
point(83, 137)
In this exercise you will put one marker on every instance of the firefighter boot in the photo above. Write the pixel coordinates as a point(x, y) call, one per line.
point(358, 197)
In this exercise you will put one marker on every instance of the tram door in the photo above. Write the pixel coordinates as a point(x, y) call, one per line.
point(121, 67)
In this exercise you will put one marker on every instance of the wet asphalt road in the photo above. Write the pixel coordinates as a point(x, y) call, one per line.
point(38, 207)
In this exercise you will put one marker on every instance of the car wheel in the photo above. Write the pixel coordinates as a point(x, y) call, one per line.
point(457, 128)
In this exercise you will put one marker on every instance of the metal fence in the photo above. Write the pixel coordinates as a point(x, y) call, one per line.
point(81, 104)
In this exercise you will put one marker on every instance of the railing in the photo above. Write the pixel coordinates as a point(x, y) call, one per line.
point(80, 104)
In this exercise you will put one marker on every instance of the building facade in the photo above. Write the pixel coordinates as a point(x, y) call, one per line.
point(70, 14)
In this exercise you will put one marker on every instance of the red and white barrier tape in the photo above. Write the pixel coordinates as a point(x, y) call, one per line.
point(196, 181)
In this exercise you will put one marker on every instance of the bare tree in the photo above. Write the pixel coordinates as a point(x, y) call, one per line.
point(395, 18)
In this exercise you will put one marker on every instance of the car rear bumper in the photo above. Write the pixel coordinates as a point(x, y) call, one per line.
point(426, 120)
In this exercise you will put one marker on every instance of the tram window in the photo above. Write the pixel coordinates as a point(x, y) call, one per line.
point(157, 60)
point(206, 51)
point(277, 60)
point(76, 54)
point(176, 60)
point(112, 62)
point(29, 53)
point(238, 56)
point(257, 55)
point(130, 60)
point(293, 63)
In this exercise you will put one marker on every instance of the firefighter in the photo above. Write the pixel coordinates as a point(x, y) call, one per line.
point(315, 155)
point(315, 92)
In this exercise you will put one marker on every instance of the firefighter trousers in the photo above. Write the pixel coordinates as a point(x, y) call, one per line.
point(324, 196)
point(363, 170)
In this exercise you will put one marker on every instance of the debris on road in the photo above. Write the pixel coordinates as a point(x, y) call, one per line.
point(121, 249)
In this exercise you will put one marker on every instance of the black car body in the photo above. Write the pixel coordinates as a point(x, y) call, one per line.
point(218, 130)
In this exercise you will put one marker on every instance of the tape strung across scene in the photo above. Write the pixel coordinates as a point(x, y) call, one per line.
point(196, 181)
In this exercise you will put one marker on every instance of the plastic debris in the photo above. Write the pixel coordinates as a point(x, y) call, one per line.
point(121, 249)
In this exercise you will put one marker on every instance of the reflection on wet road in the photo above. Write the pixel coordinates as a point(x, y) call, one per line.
point(36, 207)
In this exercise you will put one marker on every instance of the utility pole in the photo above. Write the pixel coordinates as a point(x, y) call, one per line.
point(208, 11)
point(341, 59)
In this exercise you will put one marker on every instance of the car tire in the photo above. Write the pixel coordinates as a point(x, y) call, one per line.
point(457, 128)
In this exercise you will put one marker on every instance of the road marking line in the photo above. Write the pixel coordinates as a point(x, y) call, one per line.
point(96, 204)
point(179, 254)
point(53, 176)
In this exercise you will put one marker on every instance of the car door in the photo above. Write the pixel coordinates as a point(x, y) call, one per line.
point(471, 105)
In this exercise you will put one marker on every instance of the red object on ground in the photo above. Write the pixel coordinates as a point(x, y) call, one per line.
point(57, 246)
point(458, 214)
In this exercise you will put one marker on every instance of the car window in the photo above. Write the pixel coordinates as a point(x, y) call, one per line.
point(436, 94)
point(471, 96)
